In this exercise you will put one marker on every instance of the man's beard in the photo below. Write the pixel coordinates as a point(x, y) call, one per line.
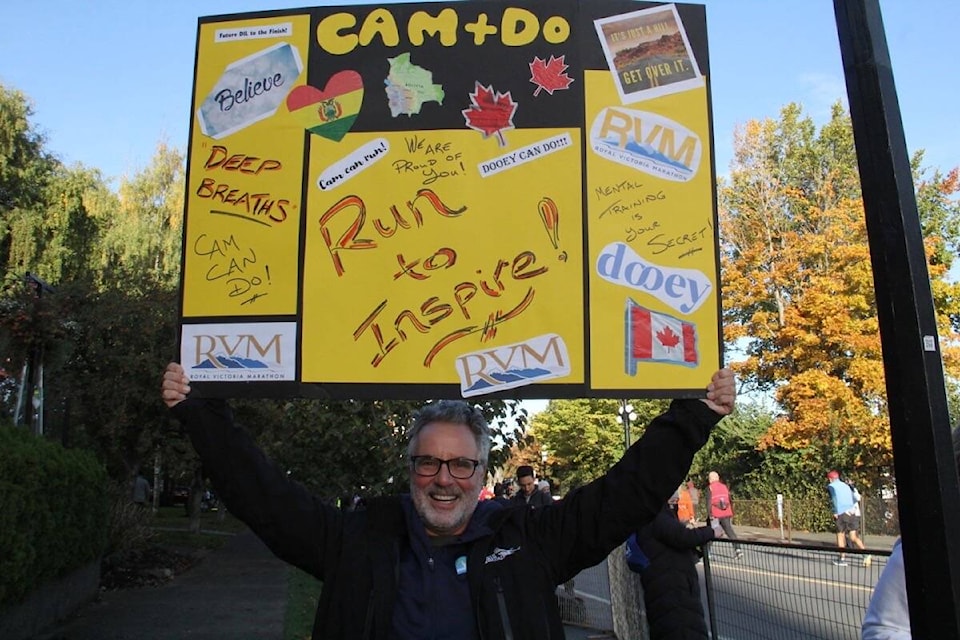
point(442, 521)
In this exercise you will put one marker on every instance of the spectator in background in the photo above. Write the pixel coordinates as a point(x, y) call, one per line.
point(141, 490)
point(544, 487)
point(721, 509)
point(846, 511)
point(685, 513)
point(694, 498)
point(530, 493)
point(888, 617)
point(671, 590)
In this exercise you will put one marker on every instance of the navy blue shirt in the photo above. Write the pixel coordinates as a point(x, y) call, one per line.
point(433, 595)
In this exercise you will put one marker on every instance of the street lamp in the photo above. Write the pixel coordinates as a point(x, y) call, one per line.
point(29, 409)
point(626, 416)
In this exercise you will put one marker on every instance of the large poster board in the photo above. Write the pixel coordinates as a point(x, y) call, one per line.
point(452, 199)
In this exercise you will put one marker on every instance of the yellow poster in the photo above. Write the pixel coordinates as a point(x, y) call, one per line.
point(245, 171)
point(464, 199)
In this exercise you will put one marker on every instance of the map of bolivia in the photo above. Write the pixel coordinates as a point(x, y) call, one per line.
point(409, 86)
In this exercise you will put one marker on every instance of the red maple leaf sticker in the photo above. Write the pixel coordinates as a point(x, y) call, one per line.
point(490, 112)
point(550, 75)
point(668, 338)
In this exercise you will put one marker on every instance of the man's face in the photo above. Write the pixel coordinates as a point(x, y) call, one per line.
point(443, 502)
point(528, 484)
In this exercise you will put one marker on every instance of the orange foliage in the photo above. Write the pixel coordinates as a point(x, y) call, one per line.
point(798, 290)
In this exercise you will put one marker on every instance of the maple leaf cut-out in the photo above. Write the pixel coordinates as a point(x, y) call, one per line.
point(490, 112)
point(668, 338)
point(549, 75)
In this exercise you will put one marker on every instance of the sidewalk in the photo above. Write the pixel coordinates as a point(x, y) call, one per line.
point(825, 538)
point(238, 592)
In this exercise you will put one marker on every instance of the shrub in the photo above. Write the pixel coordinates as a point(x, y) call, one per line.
point(53, 511)
point(128, 523)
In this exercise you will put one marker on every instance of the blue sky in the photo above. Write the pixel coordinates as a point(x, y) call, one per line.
point(110, 78)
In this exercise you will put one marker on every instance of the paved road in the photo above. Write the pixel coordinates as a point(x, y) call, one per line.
point(779, 592)
point(773, 593)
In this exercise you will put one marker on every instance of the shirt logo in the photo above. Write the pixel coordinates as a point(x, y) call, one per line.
point(499, 554)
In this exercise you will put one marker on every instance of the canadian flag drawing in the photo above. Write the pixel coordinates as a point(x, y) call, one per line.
point(652, 336)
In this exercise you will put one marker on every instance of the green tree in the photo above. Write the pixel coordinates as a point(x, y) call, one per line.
point(732, 451)
point(26, 169)
point(47, 225)
point(583, 438)
point(337, 448)
point(103, 387)
point(143, 234)
point(57, 239)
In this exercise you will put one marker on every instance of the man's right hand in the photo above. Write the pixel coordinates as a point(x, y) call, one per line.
point(175, 386)
point(722, 392)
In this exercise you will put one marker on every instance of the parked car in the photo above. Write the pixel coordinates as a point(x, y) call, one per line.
point(175, 496)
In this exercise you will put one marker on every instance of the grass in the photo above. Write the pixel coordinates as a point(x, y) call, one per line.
point(302, 595)
point(189, 540)
point(176, 517)
point(171, 527)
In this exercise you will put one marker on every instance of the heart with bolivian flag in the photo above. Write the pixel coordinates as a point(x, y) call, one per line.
point(331, 111)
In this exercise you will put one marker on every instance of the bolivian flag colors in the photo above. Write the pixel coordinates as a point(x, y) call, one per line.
point(329, 112)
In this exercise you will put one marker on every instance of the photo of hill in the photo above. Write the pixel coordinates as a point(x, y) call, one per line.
point(668, 47)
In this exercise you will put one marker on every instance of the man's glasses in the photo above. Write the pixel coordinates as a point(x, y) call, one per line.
point(459, 468)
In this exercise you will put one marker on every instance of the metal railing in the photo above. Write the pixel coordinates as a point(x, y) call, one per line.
point(787, 591)
point(585, 600)
point(773, 591)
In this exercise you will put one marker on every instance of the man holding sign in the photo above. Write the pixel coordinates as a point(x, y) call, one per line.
point(437, 563)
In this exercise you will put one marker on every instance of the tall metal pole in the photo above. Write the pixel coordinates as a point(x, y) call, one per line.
point(626, 430)
point(32, 392)
point(625, 411)
point(927, 489)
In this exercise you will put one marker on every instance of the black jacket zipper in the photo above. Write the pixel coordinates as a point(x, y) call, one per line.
point(504, 616)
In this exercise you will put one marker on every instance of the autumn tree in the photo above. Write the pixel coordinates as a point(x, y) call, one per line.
point(798, 284)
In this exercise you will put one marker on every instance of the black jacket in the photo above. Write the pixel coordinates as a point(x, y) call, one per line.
point(512, 570)
point(671, 590)
point(537, 499)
